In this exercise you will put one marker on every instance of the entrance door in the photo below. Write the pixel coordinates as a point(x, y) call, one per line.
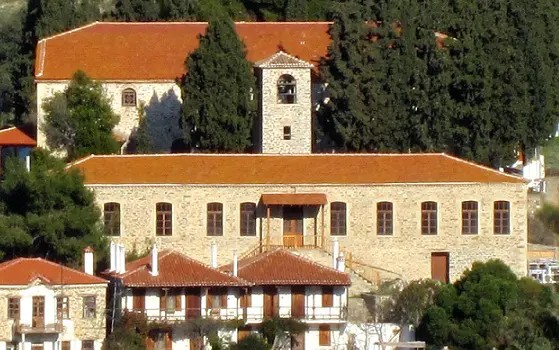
point(271, 301)
point(439, 267)
point(38, 316)
point(193, 303)
point(293, 226)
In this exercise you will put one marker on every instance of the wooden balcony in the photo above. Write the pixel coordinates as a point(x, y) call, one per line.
point(38, 327)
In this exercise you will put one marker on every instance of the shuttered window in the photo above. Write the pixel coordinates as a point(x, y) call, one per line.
point(327, 296)
point(324, 335)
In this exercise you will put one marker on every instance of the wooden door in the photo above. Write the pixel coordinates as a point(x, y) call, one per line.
point(38, 317)
point(439, 267)
point(246, 301)
point(193, 303)
point(138, 299)
point(293, 226)
point(298, 301)
point(271, 302)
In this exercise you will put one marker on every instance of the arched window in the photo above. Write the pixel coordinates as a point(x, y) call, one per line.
point(215, 219)
point(164, 219)
point(338, 219)
point(111, 216)
point(384, 218)
point(501, 217)
point(429, 218)
point(129, 98)
point(287, 89)
point(248, 219)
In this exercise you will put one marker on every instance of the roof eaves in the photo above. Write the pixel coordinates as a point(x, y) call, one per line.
point(485, 168)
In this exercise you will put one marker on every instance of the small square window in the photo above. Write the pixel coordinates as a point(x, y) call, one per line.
point(287, 133)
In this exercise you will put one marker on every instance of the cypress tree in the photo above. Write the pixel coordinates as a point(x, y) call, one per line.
point(136, 10)
point(217, 91)
point(296, 10)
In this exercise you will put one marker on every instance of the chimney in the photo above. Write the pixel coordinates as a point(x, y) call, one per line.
point(121, 259)
point(154, 261)
point(213, 254)
point(88, 260)
point(112, 257)
point(28, 163)
point(341, 263)
point(235, 264)
point(335, 252)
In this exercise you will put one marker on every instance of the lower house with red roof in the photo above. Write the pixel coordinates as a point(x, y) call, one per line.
point(47, 306)
point(16, 142)
point(171, 290)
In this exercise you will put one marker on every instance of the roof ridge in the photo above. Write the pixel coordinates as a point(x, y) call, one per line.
point(8, 129)
point(78, 161)
point(69, 31)
point(205, 22)
point(64, 267)
point(483, 167)
point(302, 258)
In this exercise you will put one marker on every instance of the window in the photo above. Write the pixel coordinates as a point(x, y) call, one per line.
point(248, 219)
point(327, 296)
point(89, 306)
point(217, 298)
point(429, 218)
point(501, 217)
point(13, 308)
point(384, 218)
point(62, 308)
point(111, 213)
point(215, 219)
point(287, 89)
point(324, 335)
point(65, 345)
point(287, 133)
point(338, 219)
point(88, 345)
point(129, 98)
point(469, 218)
point(170, 299)
point(164, 219)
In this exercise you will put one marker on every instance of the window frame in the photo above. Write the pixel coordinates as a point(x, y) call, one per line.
point(14, 308)
point(129, 98)
point(338, 219)
point(501, 218)
point(214, 219)
point(284, 96)
point(163, 219)
point(111, 218)
point(62, 307)
point(429, 218)
point(89, 306)
point(88, 344)
point(247, 222)
point(287, 132)
point(470, 218)
point(385, 219)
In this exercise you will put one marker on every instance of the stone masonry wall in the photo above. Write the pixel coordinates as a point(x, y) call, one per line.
point(162, 102)
point(76, 327)
point(276, 115)
point(406, 252)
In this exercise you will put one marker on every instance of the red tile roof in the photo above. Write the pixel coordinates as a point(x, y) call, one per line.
point(23, 271)
point(280, 267)
point(16, 137)
point(175, 270)
point(157, 50)
point(285, 169)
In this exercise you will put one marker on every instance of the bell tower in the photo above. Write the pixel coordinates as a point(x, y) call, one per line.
point(285, 105)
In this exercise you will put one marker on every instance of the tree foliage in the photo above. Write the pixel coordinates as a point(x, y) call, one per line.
point(217, 92)
point(79, 120)
point(47, 212)
point(129, 333)
point(489, 307)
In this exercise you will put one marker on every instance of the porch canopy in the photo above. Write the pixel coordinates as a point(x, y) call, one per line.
point(294, 199)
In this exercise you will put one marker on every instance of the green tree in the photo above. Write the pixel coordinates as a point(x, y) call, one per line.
point(277, 331)
point(129, 333)
point(137, 10)
point(251, 342)
point(80, 120)
point(490, 307)
point(217, 91)
point(10, 42)
point(296, 10)
point(178, 9)
point(47, 212)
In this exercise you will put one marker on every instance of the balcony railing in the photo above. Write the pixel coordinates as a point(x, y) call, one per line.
point(38, 327)
point(250, 314)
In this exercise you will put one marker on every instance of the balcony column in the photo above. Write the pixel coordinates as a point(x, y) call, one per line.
point(322, 225)
point(267, 227)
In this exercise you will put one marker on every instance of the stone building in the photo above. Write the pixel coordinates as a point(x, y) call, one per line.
point(414, 215)
point(46, 306)
point(139, 64)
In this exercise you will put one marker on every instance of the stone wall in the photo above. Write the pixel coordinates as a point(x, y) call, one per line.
point(276, 115)
point(406, 252)
point(162, 102)
point(76, 327)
